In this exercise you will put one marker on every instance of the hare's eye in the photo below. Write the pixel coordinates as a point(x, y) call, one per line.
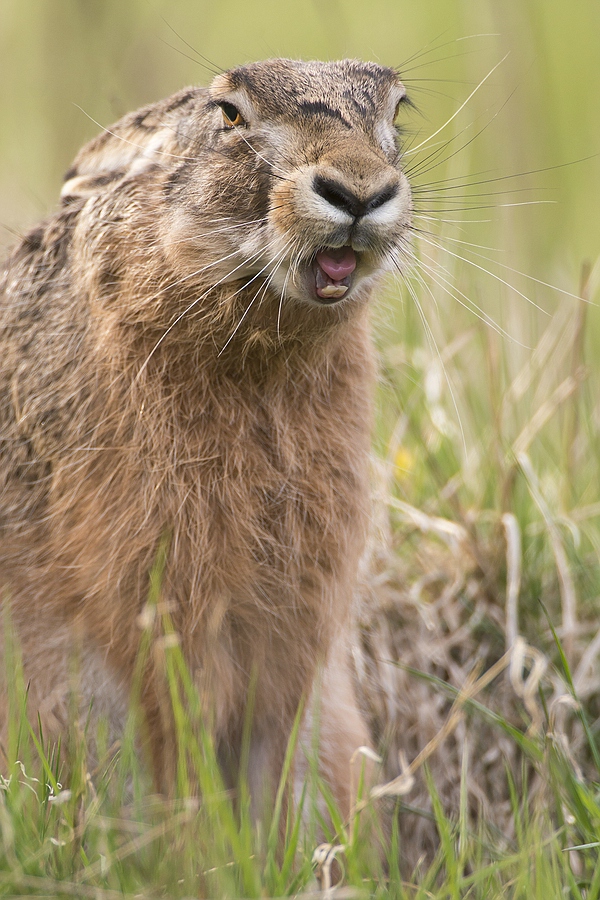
point(231, 115)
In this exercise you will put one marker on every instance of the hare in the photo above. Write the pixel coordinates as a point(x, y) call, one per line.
point(186, 363)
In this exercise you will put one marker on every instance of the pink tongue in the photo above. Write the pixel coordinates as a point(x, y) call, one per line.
point(338, 263)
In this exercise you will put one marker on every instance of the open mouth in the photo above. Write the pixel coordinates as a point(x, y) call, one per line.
point(333, 269)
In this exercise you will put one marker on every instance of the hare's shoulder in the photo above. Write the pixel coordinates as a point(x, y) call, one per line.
point(154, 135)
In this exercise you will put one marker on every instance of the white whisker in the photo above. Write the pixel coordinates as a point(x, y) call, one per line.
point(432, 342)
point(280, 257)
point(466, 302)
point(198, 300)
point(475, 265)
point(460, 108)
point(471, 248)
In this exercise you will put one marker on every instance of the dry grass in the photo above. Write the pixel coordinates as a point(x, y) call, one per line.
point(466, 563)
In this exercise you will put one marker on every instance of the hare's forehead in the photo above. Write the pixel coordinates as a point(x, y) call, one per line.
point(347, 90)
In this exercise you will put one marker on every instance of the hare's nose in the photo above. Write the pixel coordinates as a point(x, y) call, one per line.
point(338, 195)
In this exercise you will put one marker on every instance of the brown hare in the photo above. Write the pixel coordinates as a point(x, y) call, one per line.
point(186, 361)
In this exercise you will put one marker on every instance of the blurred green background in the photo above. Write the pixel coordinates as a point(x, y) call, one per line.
point(66, 63)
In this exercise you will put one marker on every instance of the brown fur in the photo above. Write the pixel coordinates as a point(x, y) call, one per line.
point(165, 375)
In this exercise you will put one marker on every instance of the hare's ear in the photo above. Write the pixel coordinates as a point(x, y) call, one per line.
point(131, 146)
point(115, 155)
point(400, 99)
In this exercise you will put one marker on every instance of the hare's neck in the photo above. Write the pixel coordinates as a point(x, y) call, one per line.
point(220, 343)
point(196, 386)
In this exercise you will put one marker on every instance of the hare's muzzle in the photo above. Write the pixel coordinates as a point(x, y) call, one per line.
point(349, 212)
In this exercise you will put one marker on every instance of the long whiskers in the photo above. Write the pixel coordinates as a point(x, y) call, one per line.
point(290, 274)
point(475, 265)
point(464, 300)
point(460, 108)
point(198, 300)
point(431, 339)
point(473, 248)
point(206, 63)
point(276, 262)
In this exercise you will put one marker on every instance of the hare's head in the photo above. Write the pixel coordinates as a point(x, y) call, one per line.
point(283, 178)
point(298, 175)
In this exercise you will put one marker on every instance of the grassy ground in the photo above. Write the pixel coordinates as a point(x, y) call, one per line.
point(103, 834)
point(477, 654)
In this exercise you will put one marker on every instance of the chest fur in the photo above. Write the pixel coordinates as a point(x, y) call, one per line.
point(260, 490)
point(275, 504)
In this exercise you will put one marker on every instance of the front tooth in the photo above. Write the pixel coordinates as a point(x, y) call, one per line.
point(333, 290)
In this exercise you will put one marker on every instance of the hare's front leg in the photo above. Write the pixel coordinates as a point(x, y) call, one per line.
point(335, 725)
point(69, 682)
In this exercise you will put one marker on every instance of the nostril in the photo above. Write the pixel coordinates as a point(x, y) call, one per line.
point(338, 195)
point(382, 197)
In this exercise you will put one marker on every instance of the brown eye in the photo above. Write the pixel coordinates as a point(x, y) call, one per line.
point(231, 115)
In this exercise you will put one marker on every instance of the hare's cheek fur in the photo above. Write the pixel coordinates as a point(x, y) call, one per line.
point(213, 228)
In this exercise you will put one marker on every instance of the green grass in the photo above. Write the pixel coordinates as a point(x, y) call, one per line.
point(109, 836)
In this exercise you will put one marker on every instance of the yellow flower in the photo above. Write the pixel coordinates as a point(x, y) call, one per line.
point(404, 463)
